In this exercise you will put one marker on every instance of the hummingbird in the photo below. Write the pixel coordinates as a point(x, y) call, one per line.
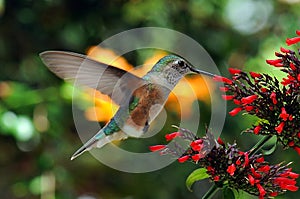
point(140, 100)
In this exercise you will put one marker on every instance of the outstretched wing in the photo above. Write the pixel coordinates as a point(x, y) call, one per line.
point(84, 71)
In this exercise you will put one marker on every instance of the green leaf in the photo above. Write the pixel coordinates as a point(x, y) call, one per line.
point(228, 193)
point(271, 150)
point(262, 121)
point(239, 194)
point(198, 174)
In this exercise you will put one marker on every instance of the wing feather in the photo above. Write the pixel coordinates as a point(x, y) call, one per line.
point(109, 80)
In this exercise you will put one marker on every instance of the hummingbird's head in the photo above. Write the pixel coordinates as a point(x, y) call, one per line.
point(173, 68)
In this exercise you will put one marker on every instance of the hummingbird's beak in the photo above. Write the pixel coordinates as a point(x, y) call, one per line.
point(196, 70)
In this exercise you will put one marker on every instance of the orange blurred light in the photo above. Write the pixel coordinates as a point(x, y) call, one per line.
point(185, 93)
point(109, 57)
point(5, 89)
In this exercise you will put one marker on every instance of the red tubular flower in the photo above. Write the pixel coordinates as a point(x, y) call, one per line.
point(291, 41)
point(216, 178)
point(157, 147)
point(273, 97)
point(237, 102)
point(249, 108)
point(249, 99)
point(285, 81)
point(278, 65)
point(274, 62)
point(291, 143)
point(297, 149)
point(263, 89)
point(227, 97)
point(220, 141)
point(251, 179)
point(265, 168)
point(171, 136)
point(209, 168)
point(231, 169)
point(290, 174)
point(279, 128)
point(246, 159)
point(284, 50)
point(224, 89)
point(256, 129)
point(273, 194)
point(234, 71)
point(261, 190)
point(293, 67)
point(283, 114)
point(291, 78)
point(197, 145)
point(183, 159)
point(199, 141)
point(293, 175)
point(298, 32)
point(285, 174)
point(255, 75)
point(283, 181)
point(289, 187)
point(235, 111)
point(255, 174)
point(197, 157)
point(238, 162)
point(222, 79)
point(260, 160)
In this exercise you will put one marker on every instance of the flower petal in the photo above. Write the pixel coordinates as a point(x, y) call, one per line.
point(183, 159)
point(222, 79)
point(157, 147)
point(234, 71)
point(235, 111)
point(291, 41)
point(279, 128)
point(231, 169)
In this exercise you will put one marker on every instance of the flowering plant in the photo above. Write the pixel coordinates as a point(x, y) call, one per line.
point(277, 105)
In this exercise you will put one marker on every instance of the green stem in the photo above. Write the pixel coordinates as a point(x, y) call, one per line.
point(259, 144)
point(211, 192)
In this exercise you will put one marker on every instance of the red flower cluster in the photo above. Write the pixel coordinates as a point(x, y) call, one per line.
point(278, 106)
point(251, 174)
point(231, 167)
point(197, 147)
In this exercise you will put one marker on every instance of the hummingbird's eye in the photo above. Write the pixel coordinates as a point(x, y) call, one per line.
point(181, 63)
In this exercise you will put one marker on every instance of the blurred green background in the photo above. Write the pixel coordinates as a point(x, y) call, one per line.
point(37, 133)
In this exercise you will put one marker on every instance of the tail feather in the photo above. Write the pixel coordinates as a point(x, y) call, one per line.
point(99, 140)
point(86, 147)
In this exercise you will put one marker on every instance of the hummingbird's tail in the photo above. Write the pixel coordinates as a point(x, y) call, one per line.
point(86, 147)
point(99, 140)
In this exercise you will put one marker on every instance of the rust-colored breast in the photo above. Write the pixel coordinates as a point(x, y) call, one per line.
point(148, 95)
